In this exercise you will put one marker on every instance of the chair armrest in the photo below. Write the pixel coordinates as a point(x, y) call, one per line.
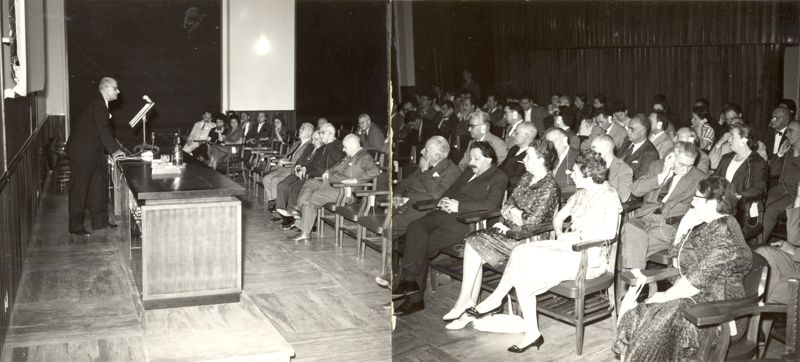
point(341, 184)
point(529, 230)
point(475, 216)
point(371, 193)
point(718, 312)
point(661, 257)
point(587, 244)
point(652, 275)
point(425, 205)
point(632, 205)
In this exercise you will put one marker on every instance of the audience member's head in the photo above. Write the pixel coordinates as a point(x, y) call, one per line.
point(780, 118)
point(792, 134)
point(262, 117)
point(700, 117)
point(687, 134)
point(316, 139)
point(435, 150)
point(638, 129)
point(789, 104)
point(559, 138)
point(702, 102)
point(424, 100)
point(351, 144)
point(658, 122)
point(448, 107)
point(524, 134)
point(580, 100)
point(491, 102)
point(567, 117)
point(589, 167)
point(306, 129)
point(467, 75)
point(660, 103)
point(729, 112)
point(620, 111)
point(467, 103)
point(481, 157)
point(743, 139)
point(233, 122)
point(515, 113)
point(599, 100)
point(554, 99)
point(714, 196)
point(327, 133)
point(408, 106)
point(277, 123)
point(602, 118)
point(540, 157)
point(321, 121)
point(604, 145)
point(364, 122)
point(207, 116)
point(219, 119)
point(245, 117)
point(684, 155)
point(478, 125)
point(564, 101)
point(526, 102)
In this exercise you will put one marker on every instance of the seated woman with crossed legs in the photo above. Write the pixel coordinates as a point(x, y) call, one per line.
point(533, 202)
point(536, 267)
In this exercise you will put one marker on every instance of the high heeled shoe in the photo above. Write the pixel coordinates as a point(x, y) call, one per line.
point(474, 312)
point(459, 323)
point(450, 319)
point(538, 343)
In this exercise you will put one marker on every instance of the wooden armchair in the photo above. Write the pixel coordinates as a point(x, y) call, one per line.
point(328, 213)
point(374, 218)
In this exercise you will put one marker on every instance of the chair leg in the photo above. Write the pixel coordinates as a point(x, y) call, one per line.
point(384, 255)
point(358, 241)
point(320, 224)
point(337, 221)
point(579, 303)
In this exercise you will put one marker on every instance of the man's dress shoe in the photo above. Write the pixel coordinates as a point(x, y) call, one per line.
point(80, 233)
point(409, 307)
point(405, 287)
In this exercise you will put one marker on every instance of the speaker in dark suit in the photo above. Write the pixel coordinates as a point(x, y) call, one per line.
point(90, 136)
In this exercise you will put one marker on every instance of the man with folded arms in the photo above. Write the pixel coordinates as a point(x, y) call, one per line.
point(668, 188)
point(357, 167)
point(299, 150)
point(479, 188)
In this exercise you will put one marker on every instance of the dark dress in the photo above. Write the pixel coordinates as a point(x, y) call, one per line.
point(715, 259)
point(539, 200)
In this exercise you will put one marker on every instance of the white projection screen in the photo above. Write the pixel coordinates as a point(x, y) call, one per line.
point(258, 70)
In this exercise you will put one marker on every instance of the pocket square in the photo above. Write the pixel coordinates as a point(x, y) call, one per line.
point(435, 174)
point(635, 161)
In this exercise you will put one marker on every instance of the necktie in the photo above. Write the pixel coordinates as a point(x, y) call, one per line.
point(665, 188)
point(628, 152)
point(779, 133)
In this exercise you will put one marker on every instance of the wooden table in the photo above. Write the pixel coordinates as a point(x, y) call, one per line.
point(185, 233)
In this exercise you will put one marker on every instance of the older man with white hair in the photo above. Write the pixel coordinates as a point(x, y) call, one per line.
point(358, 166)
point(299, 150)
point(620, 175)
point(371, 135)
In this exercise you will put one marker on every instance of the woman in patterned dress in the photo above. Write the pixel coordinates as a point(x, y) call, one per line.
point(713, 258)
point(536, 267)
point(533, 202)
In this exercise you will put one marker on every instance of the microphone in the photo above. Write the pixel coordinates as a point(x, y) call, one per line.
point(146, 98)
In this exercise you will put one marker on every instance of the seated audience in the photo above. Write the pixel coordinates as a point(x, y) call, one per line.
point(603, 120)
point(279, 132)
point(300, 150)
point(419, 129)
point(566, 158)
point(533, 202)
point(220, 152)
point(784, 259)
point(730, 111)
point(747, 172)
point(513, 118)
point(686, 134)
point(329, 154)
point(667, 189)
point(722, 147)
point(448, 120)
point(658, 133)
point(785, 165)
point(781, 117)
point(533, 112)
point(288, 189)
point(357, 167)
point(620, 175)
point(790, 105)
point(620, 112)
point(262, 131)
point(479, 131)
point(480, 187)
point(534, 268)
point(513, 166)
point(566, 120)
point(584, 110)
point(427, 110)
point(496, 115)
point(370, 134)
point(661, 104)
point(701, 119)
point(196, 142)
point(639, 152)
point(713, 259)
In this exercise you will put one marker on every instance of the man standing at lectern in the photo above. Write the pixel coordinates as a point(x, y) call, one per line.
point(90, 134)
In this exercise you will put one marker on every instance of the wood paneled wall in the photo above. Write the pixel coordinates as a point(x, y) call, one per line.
point(20, 188)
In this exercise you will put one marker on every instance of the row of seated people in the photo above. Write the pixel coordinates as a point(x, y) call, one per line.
point(304, 177)
point(669, 187)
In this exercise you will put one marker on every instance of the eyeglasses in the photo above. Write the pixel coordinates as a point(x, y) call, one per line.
point(471, 126)
point(701, 197)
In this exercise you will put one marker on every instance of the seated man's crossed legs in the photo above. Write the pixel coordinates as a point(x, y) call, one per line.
point(317, 195)
point(644, 236)
point(271, 181)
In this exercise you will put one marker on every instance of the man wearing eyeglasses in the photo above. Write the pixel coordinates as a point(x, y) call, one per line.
point(479, 131)
point(668, 189)
point(780, 120)
point(785, 166)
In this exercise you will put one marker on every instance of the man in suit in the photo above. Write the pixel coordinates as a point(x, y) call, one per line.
point(479, 131)
point(514, 164)
point(195, 143)
point(262, 130)
point(496, 115)
point(248, 131)
point(426, 109)
point(688, 134)
point(299, 150)
point(419, 129)
point(668, 189)
point(620, 175)
point(780, 120)
point(784, 260)
point(637, 151)
point(447, 123)
point(533, 112)
point(370, 134)
point(566, 159)
point(88, 184)
point(785, 166)
point(658, 135)
point(513, 118)
point(357, 167)
point(329, 154)
point(603, 119)
point(288, 189)
point(480, 187)
point(470, 85)
point(566, 119)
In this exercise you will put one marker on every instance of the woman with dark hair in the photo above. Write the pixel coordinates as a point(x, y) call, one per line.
point(279, 131)
point(533, 202)
point(701, 123)
point(746, 171)
point(233, 135)
point(713, 259)
point(533, 268)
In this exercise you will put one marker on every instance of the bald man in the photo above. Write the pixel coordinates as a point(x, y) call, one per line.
point(90, 136)
point(566, 159)
point(357, 167)
point(372, 137)
point(513, 165)
point(780, 120)
point(620, 175)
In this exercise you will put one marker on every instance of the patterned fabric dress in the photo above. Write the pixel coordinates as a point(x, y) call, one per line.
point(538, 200)
point(715, 259)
